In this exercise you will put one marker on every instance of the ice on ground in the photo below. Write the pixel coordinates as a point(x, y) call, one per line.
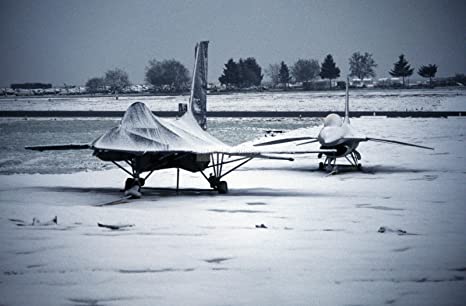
point(321, 245)
point(361, 100)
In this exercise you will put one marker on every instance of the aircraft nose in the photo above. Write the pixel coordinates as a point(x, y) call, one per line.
point(325, 137)
point(328, 136)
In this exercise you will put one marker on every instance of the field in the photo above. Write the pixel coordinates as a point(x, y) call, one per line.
point(361, 100)
point(322, 245)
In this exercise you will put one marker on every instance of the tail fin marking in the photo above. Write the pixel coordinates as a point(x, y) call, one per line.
point(198, 97)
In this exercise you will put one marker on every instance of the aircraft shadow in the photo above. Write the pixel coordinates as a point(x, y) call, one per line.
point(372, 169)
point(306, 169)
point(171, 192)
point(386, 169)
point(265, 192)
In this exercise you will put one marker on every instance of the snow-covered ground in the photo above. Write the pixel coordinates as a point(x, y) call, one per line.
point(361, 100)
point(321, 245)
point(16, 133)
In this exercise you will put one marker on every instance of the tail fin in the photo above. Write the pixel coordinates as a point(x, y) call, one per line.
point(347, 120)
point(198, 98)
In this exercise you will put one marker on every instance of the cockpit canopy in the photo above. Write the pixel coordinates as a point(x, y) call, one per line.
point(333, 120)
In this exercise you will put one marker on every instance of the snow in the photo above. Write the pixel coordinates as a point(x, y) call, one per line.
point(18, 133)
point(141, 131)
point(321, 245)
point(361, 100)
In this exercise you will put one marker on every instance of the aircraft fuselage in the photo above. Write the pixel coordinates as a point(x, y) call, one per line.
point(332, 136)
point(156, 161)
point(343, 148)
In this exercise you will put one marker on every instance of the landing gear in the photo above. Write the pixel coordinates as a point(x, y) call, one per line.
point(330, 162)
point(357, 154)
point(321, 165)
point(130, 182)
point(222, 187)
point(198, 163)
point(134, 183)
point(218, 161)
point(217, 184)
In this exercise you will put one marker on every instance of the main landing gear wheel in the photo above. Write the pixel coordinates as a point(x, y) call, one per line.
point(130, 182)
point(133, 187)
point(222, 187)
point(359, 167)
point(216, 184)
point(321, 166)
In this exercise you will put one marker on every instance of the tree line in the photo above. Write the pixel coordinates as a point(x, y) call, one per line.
point(165, 76)
point(172, 76)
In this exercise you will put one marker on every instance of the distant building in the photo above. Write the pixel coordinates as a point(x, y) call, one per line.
point(319, 84)
point(389, 82)
point(364, 83)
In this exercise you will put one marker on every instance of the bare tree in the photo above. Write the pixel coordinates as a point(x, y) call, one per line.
point(305, 70)
point(273, 72)
point(94, 85)
point(117, 79)
point(167, 72)
point(362, 65)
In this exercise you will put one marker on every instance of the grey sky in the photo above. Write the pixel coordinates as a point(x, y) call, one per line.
point(71, 41)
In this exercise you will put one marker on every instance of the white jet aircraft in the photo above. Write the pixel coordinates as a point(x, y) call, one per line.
point(339, 134)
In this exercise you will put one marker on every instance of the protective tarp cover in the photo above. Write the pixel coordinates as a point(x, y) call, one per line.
point(140, 131)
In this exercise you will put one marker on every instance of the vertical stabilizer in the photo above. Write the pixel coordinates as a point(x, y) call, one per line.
point(347, 120)
point(198, 98)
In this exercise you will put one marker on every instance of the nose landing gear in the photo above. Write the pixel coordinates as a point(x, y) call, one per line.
point(330, 162)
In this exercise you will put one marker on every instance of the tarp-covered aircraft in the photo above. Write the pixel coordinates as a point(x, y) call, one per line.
point(148, 143)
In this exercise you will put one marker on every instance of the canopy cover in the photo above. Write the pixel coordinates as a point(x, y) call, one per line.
point(141, 131)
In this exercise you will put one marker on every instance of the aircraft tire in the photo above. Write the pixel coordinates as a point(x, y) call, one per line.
point(222, 187)
point(129, 183)
point(141, 181)
point(321, 166)
point(359, 167)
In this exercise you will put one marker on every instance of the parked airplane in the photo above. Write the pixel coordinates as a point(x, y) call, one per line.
point(147, 143)
point(339, 134)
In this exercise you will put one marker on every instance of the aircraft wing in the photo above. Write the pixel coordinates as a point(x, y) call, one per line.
point(389, 141)
point(230, 151)
point(59, 147)
point(280, 152)
point(264, 154)
point(284, 140)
